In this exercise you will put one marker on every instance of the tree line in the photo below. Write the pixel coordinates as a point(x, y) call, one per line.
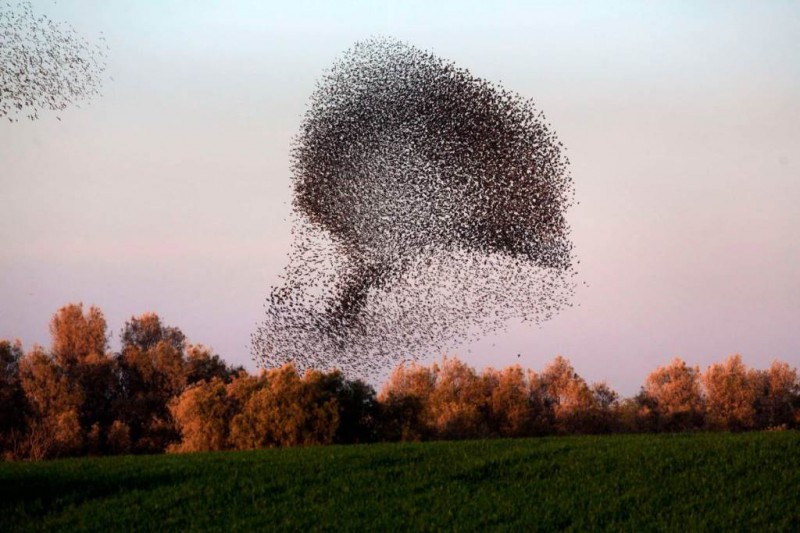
point(160, 393)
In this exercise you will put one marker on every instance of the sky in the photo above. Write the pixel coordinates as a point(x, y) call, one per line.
point(171, 192)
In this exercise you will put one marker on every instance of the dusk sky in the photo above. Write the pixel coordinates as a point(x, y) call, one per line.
point(170, 193)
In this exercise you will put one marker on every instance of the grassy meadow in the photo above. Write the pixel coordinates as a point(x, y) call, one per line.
point(720, 482)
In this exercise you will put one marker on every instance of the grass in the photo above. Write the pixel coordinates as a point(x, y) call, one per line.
point(718, 482)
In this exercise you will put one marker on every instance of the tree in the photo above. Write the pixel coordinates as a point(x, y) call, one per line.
point(674, 397)
point(202, 414)
point(286, 411)
point(778, 397)
point(44, 64)
point(76, 336)
point(12, 398)
point(603, 416)
point(54, 405)
point(406, 400)
point(79, 344)
point(513, 409)
point(146, 331)
point(202, 365)
point(152, 370)
point(731, 392)
point(567, 394)
point(118, 439)
point(458, 404)
point(357, 405)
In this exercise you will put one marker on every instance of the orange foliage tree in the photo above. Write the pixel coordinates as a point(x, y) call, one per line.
point(458, 404)
point(202, 414)
point(567, 395)
point(406, 399)
point(79, 345)
point(286, 410)
point(731, 392)
point(673, 399)
point(77, 336)
point(54, 402)
point(515, 407)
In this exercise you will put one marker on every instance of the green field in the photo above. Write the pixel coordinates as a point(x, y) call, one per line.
point(665, 482)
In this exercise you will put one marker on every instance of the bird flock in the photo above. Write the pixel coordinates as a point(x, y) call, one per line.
point(44, 64)
point(428, 210)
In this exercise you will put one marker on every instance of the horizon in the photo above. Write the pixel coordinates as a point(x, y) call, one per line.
point(170, 193)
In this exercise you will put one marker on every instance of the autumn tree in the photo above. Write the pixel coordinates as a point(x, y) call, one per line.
point(567, 394)
point(79, 345)
point(12, 398)
point(77, 336)
point(603, 415)
point(202, 415)
point(242, 387)
point(118, 438)
point(731, 391)
point(778, 396)
point(405, 400)
point(147, 331)
point(204, 365)
point(458, 405)
point(53, 422)
point(152, 372)
point(356, 403)
point(286, 410)
point(673, 398)
point(515, 409)
point(204, 412)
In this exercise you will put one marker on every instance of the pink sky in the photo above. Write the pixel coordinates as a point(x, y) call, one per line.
point(170, 192)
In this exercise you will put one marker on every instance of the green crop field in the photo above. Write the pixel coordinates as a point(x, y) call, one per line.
point(719, 482)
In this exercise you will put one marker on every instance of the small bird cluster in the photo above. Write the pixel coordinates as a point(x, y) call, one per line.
point(429, 209)
point(44, 64)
